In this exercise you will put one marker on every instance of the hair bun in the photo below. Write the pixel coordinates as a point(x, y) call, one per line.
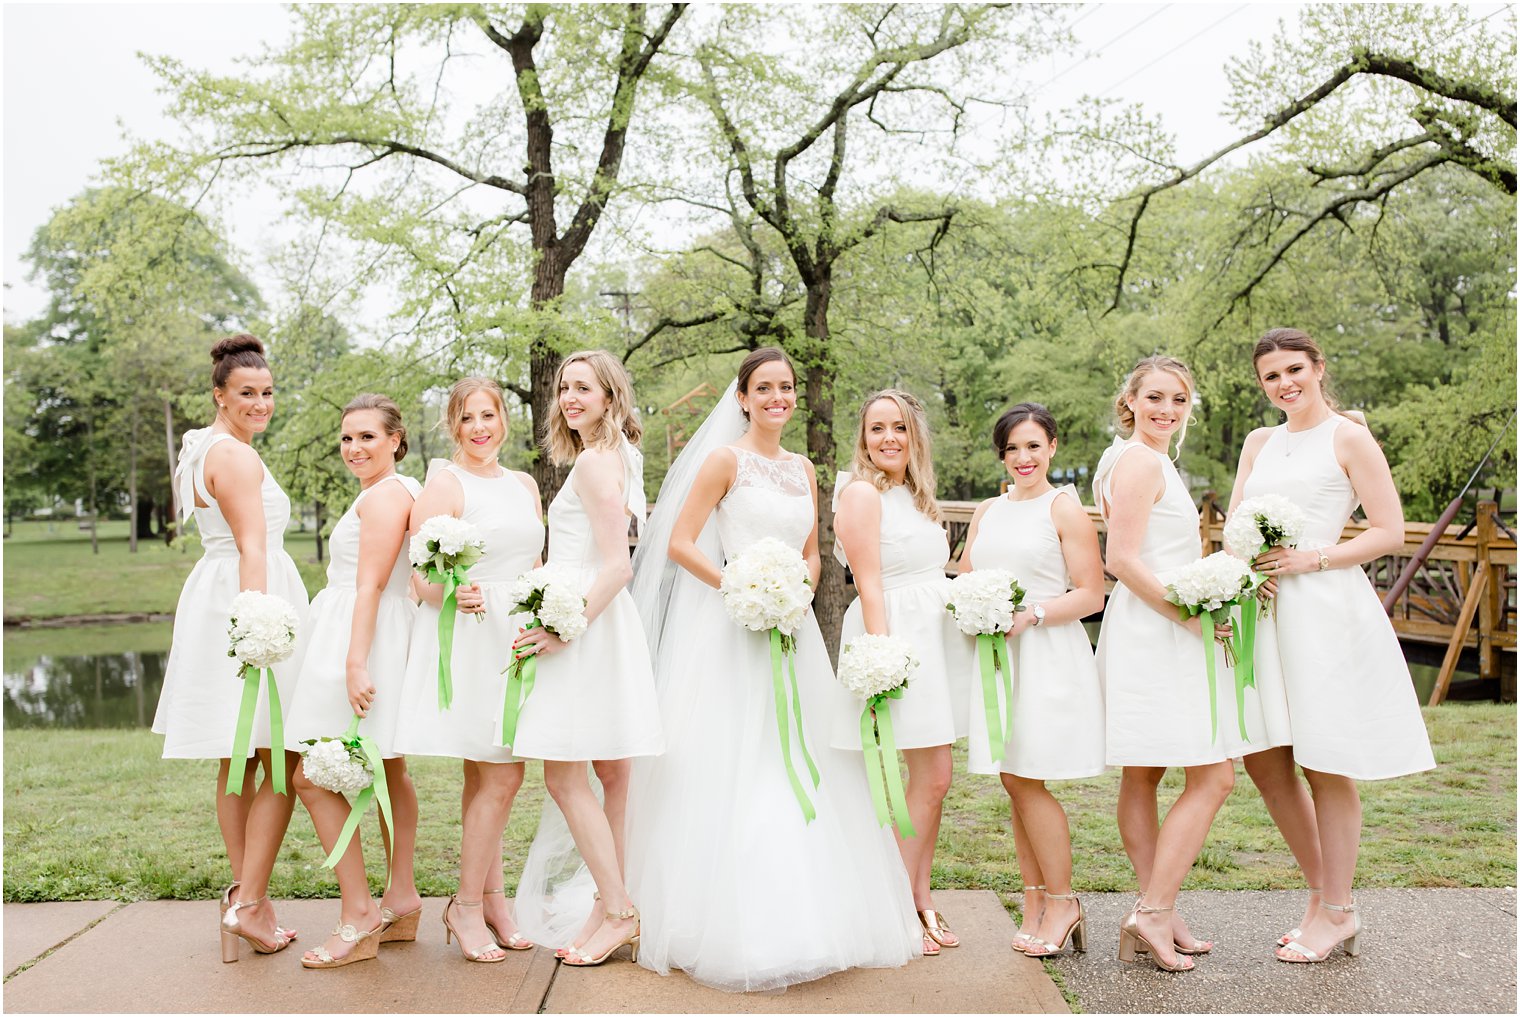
point(232, 345)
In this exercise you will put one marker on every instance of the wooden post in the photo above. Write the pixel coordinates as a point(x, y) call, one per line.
point(1206, 521)
point(1459, 636)
point(1488, 610)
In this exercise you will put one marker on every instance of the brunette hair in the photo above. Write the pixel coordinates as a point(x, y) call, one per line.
point(1016, 415)
point(751, 364)
point(390, 416)
point(241, 350)
point(1131, 386)
point(1296, 341)
point(919, 478)
point(562, 441)
point(464, 388)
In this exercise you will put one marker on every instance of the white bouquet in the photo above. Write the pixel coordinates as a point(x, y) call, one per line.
point(871, 666)
point(877, 669)
point(1263, 522)
point(767, 587)
point(1210, 584)
point(337, 765)
point(551, 596)
point(262, 631)
point(984, 601)
point(445, 542)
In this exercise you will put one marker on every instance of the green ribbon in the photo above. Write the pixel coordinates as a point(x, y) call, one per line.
point(1208, 661)
point(992, 655)
point(519, 685)
point(243, 736)
point(451, 579)
point(784, 721)
point(376, 790)
point(1245, 663)
point(880, 748)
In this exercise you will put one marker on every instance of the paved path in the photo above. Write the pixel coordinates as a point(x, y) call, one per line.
point(163, 956)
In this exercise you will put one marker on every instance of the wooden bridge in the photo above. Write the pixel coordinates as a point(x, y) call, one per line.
point(1463, 596)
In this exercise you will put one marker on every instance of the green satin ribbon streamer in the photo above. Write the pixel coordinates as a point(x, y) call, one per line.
point(784, 722)
point(992, 655)
point(243, 736)
point(880, 748)
point(376, 791)
point(1245, 663)
point(451, 579)
point(519, 685)
point(1208, 661)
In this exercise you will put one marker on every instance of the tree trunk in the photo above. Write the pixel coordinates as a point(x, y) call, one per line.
point(169, 448)
point(147, 510)
point(319, 532)
point(543, 362)
point(818, 376)
point(90, 455)
point(132, 484)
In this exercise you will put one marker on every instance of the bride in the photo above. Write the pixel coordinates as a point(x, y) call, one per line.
point(736, 888)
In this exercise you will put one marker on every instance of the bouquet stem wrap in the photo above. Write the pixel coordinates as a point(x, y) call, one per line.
point(1245, 666)
point(243, 735)
point(376, 791)
point(524, 671)
point(451, 579)
point(880, 748)
point(992, 655)
point(1208, 664)
point(784, 719)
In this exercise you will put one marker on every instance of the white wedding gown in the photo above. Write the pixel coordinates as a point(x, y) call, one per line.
point(734, 887)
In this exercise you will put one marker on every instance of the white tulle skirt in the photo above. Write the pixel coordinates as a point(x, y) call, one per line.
point(734, 887)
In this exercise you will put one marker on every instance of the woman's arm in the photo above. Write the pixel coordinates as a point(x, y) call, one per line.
point(713, 481)
point(1084, 563)
point(810, 552)
point(235, 478)
point(442, 495)
point(857, 527)
point(971, 532)
point(383, 517)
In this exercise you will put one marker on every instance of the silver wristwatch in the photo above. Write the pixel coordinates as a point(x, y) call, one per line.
point(1038, 611)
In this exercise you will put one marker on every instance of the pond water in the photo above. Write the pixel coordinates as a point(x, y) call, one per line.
point(94, 676)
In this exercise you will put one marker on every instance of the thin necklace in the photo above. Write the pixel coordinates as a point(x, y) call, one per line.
point(1288, 446)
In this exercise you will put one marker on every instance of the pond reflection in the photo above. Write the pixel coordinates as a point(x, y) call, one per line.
point(87, 676)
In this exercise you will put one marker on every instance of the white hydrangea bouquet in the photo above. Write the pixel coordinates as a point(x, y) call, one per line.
point(1264, 522)
point(551, 595)
point(766, 588)
point(349, 764)
point(877, 668)
point(983, 603)
point(443, 550)
point(261, 632)
point(1213, 587)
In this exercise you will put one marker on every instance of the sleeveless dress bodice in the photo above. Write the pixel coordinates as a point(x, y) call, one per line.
point(216, 533)
point(914, 548)
point(1302, 468)
point(769, 498)
point(343, 547)
point(571, 540)
point(1171, 536)
point(504, 513)
point(1020, 537)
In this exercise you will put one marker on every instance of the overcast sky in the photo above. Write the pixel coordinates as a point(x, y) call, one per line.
point(74, 82)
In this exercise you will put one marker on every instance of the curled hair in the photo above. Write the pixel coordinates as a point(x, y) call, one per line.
point(919, 477)
point(1131, 388)
point(390, 416)
point(1296, 341)
point(562, 441)
point(241, 350)
point(752, 363)
point(460, 392)
point(1016, 415)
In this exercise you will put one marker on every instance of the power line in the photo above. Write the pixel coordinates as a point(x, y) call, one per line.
point(1099, 52)
point(1174, 49)
point(1091, 9)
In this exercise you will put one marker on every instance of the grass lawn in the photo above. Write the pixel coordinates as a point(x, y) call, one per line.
point(96, 814)
point(50, 571)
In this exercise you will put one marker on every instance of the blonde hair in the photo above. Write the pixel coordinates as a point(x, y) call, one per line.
point(1131, 388)
point(564, 443)
point(461, 391)
point(919, 477)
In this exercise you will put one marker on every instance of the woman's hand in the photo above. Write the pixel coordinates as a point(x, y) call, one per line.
point(1023, 620)
point(536, 642)
point(1285, 561)
point(361, 691)
point(469, 599)
point(1222, 630)
point(1267, 590)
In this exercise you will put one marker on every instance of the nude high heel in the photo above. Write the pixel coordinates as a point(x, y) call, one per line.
point(1295, 932)
point(396, 928)
point(1076, 932)
point(581, 959)
point(1021, 940)
point(232, 931)
point(1132, 941)
point(1296, 953)
point(512, 942)
point(480, 956)
point(366, 946)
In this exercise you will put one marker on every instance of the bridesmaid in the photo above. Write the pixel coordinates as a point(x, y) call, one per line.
point(594, 698)
point(353, 666)
point(504, 506)
point(890, 537)
point(241, 514)
point(1352, 703)
point(1044, 537)
point(1152, 665)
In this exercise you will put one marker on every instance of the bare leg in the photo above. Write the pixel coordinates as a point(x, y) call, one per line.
point(1338, 806)
point(490, 805)
point(329, 811)
point(401, 844)
point(1029, 874)
point(494, 909)
point(232, 811)
point(929, 771)
point(1288, 802)
point(1048, 836)
point(1177, 846)
point(613, 773)
point(568, 784)
point(268, 816)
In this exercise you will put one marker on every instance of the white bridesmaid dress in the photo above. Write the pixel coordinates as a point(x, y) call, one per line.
point(320, 707)
point(1331, 648)
point(594, 699)
point(1057, 729)
point(1155, 684)
point(198, 707)
point(914, 550)
point(507, 518)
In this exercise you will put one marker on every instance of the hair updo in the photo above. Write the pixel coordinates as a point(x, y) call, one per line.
point(1016, 415)
point(241, 350)
point(390, 416)
point(1131, 388)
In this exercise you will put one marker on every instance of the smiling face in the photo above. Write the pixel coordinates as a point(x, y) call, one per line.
point(1290, 379)
point(1161, 405)
point(481, 428)
point(771, 396)
point(1026, 454)
point(246, 402)
point(368, 451)
point(886, 437)
point(582, 399)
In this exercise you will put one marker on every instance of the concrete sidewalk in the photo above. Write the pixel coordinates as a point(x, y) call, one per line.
point(163, 956)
